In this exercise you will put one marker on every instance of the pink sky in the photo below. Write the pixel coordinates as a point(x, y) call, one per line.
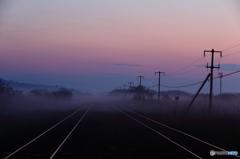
point(87, 38)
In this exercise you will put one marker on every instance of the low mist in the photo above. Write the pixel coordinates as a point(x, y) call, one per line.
point(138, 99)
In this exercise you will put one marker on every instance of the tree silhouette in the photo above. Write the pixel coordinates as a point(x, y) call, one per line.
point(7, 90)
point(141, 93)
point(62, 93)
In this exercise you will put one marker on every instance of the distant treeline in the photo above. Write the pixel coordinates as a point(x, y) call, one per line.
point(61, 93)
point(142, 92)
point(15, 101)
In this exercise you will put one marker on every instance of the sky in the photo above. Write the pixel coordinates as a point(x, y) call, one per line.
point(102, 45)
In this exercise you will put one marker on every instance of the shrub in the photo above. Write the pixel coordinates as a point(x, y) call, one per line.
point(166, 97)
point(227, 96)
point(40, 93)
point(7, 90)
point(141, 93)
point(62, 93)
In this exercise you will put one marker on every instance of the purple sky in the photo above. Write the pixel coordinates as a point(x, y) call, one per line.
point(101, 45)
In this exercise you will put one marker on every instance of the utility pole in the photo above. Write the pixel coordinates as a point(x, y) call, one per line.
point(159, 73)
point(124, 86)
point(130, 87)
point(220, 76)
point(130, 83)
point(141, 79)
point(211, 78)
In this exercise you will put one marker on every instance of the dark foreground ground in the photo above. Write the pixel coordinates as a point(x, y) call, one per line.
point(107, 133)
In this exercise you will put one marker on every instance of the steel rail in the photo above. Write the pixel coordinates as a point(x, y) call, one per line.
point(176, 130)
point(159, 133)
point(43, 133)
point(56, 151)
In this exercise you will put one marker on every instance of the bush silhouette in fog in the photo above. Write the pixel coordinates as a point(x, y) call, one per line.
point(141, 93)
point(118, 92)
point(7, 96)
point(40, 93)
point(62, 93)
point(204, 96)
point(227, 96)
point(166, 97)
point(6, 90)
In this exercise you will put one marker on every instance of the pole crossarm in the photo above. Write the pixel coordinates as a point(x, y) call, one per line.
point(212, 51)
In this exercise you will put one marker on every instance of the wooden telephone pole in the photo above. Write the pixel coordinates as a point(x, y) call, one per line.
point(211, 77)
point(159, 73)
point(141, 79)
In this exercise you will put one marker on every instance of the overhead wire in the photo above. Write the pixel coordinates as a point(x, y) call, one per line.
point(149, 78)
point(153, 86)
point(135, 81)
point(182, 86)
point(227, 74)
point(219, 60)
point(187, 71)
point(185, 67)
point(232, 54)
point(228, 55)
point(198, 82)
point(172, 73)
point(231, 47)
point(152, 79)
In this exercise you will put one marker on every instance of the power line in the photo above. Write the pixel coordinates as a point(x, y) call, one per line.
point(150, 78)
point(135, 81)
point(227, 74)
point(231, 47)
point(187, 71)
point(192, 83)
point(231, 73)
point(199, 82)
point(171, 74)
point(185, 67)
point(153, 86)
point(232, 54)
point(229, 55)
point(183, 86)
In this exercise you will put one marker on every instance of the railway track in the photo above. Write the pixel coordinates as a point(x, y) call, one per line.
point(113, 131)
point(49, 143)
point(179, 139)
